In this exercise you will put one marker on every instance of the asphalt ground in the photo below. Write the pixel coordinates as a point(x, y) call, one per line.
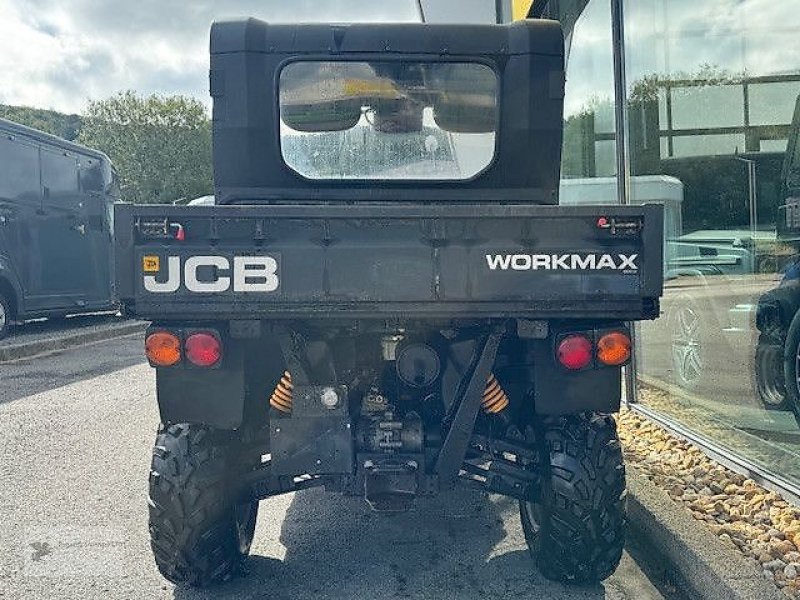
point(76, 430)
point(45, 329)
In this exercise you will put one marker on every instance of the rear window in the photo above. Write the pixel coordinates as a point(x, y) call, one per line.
point(388, 120)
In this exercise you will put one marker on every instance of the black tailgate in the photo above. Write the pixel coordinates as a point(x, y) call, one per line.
point(390, 260)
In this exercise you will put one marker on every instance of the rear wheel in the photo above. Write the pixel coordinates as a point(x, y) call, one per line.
point(6, 316)
point(770, 376)
point(576, 528)
point(200, 529)
point(791, 366)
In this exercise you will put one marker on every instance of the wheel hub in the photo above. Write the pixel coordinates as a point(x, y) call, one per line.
point(687, 350)
point(773, 387)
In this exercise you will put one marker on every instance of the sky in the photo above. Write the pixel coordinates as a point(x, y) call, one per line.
point(663, 37)
point(59, 54)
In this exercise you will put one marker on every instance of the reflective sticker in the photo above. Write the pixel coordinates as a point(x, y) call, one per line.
point(520, 9)
point(212, 274)
point(151, 264)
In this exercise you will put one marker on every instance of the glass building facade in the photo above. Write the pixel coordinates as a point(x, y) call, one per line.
point(711, 109)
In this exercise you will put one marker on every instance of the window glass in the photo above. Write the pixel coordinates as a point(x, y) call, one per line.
point(706, 105)
point(91, 175)
point(605, 159)
point(773, 145)
point(20, 181)
point(699, 144)
point(589, 154)
point(59, 174)
point(713, 90)
point(772, 103)
point(388, 120)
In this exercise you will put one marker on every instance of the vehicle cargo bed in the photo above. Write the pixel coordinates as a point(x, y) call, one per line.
point(390, 261)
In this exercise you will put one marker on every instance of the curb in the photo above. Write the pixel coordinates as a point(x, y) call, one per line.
point(69, 340)
point(703, 565)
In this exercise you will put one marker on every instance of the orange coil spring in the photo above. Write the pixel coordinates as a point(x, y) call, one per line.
point(494, 398)
point(281, 398)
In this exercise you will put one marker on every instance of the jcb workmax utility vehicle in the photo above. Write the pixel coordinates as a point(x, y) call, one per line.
point(387, 300)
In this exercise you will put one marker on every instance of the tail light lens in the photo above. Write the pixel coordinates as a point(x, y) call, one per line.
point(575, 352)
point(614, 349)
point(203, 349)
point(163, 349)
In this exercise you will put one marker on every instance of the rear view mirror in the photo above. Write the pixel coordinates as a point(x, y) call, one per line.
point(467, 100)
point(464, 117)
point(320, 96)
point(322, 116)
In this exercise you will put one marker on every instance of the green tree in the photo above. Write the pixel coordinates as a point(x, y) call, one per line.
point(160, 145)
point(49, 121)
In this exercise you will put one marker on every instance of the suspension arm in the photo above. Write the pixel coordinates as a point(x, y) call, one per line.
point(454, 449)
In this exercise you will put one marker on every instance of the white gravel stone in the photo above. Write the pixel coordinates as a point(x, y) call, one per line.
point(761, 524)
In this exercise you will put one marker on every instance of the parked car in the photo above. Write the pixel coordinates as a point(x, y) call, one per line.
point(56, 211)
point(202, 201)
point(704, 340)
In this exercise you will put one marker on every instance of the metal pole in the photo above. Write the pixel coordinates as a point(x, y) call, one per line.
point(752, 199)
point(751, 175)
point(620, 101)
point(622, 149)
point(421, 11)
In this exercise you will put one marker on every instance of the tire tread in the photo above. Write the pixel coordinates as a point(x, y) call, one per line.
point(582, 534)
point(192, 529)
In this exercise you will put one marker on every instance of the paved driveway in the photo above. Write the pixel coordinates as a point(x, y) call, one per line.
point(75, 435)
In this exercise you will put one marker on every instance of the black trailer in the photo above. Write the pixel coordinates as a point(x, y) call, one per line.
point(56, 211)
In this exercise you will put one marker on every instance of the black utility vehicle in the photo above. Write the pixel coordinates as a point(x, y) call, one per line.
point(56, 245)
point(387, 300)
point(778, 315)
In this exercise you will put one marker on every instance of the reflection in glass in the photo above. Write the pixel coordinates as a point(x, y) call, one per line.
point(712, 105)
point(713, 117)
point(388, 120)
point(706, 106)
point(771, 103)
point(589, 132)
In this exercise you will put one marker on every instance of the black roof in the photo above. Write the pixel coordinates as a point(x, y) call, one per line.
point(11, 129)
point(440, 39)
point(247, 57)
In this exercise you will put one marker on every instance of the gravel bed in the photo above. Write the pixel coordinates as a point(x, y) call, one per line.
point(769, 438)
point(758, 522)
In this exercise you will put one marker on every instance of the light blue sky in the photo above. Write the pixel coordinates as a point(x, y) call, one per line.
point(60, 53)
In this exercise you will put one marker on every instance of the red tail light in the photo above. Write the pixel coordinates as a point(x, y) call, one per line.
point(575, 352)
point(203, 349)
